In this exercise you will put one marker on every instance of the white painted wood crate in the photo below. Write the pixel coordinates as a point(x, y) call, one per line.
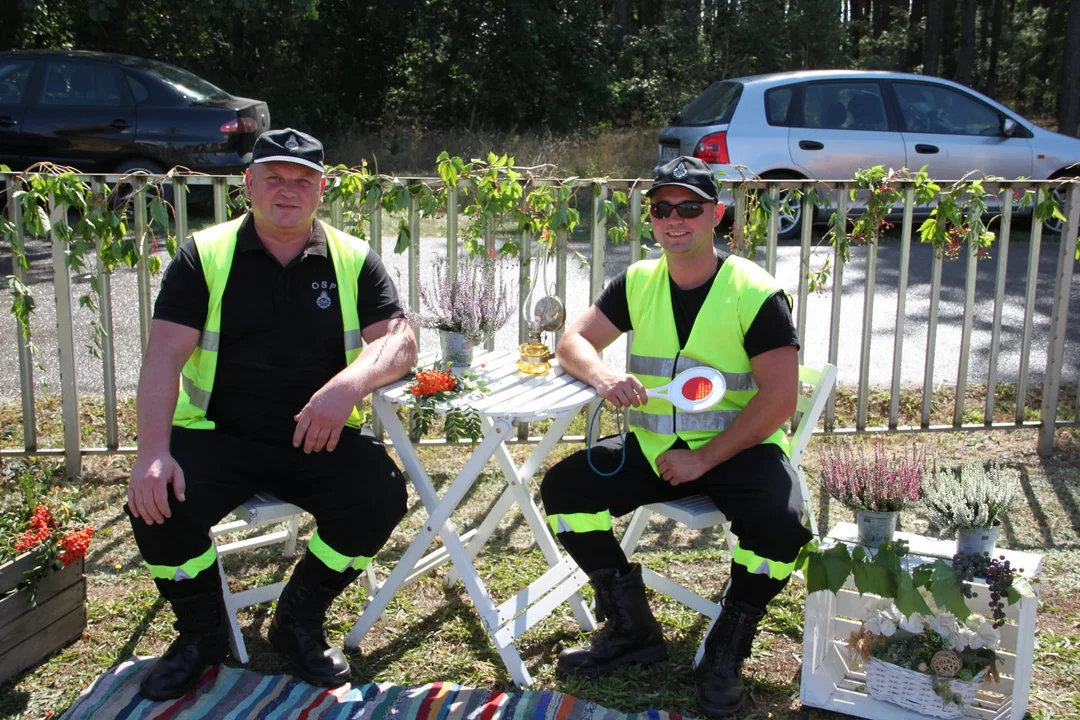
point(833, 681)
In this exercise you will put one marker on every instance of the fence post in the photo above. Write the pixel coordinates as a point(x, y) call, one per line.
point(108, 344)
point(26, 358)
point(1059, 320)
point(901, 304)
point(838, 293)
point(65, 340)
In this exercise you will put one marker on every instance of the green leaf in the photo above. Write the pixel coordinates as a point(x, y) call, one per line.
point(810, 548)
point(828, 570)
point(874, 579)
point(946, 590)
point(403, 237)
point(921, 575)
point(1020, 588)
point(908, 599)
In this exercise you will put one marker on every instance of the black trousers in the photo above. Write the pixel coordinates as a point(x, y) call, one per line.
point(356, 494)
point(757, 490)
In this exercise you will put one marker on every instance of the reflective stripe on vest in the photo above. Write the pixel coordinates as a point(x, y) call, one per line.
point(216, 247)
point(334, 560)
point(579, 522)
point(186, 571)
point(717, 340)
point(758, 565)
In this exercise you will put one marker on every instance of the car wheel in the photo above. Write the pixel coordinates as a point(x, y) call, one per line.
point(148, 167)
point(1055, 225)
point(790, 225)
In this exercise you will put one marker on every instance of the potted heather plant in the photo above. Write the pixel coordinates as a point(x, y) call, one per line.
point(970, 501)
point(466, 308)
point(877, 487)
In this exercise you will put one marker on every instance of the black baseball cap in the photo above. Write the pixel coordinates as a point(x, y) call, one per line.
point(288, 145)
point(688, 172)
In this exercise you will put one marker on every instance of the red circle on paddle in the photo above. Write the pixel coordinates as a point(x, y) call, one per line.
point(697, 388)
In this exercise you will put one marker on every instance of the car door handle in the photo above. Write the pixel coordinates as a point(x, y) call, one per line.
point(8, 121)
point(811, 145)
point(926, 149)
point(120, 124)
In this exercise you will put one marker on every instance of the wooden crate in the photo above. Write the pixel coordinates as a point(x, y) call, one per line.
point(833, 680)
point(31, 631)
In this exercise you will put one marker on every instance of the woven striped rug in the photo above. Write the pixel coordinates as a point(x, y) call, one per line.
point(227, 693)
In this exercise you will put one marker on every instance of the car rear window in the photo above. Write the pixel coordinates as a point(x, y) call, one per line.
point(715, 106)
point(187, 84)
point(778, 106)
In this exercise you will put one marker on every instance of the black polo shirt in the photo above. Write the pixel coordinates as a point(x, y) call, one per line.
point(281, 327)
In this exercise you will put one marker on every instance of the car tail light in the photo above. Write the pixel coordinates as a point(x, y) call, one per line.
point(713, 148)
point(240, 124)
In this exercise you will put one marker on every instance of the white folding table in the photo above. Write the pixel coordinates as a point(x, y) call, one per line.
point(512, 397)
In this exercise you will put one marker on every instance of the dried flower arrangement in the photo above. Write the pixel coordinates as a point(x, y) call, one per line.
point(976, 496)
point(884, 482)
point(475, 302)
point(951, 657)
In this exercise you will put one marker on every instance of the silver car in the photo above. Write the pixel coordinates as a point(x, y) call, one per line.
point(826, 124)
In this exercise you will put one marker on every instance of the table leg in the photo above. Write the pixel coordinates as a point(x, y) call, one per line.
point(438, 519)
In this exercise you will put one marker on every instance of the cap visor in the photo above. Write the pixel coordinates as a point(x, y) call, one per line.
point(291, 159)
point(696, 190)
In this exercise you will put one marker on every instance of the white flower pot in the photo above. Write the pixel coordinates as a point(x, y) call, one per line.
point(977, 540)
point(456, 348)
point(875, 528)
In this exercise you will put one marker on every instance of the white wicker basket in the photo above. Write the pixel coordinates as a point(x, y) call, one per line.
point(915, 690)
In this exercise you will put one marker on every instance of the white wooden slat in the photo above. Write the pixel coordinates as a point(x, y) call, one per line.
point(696, 512)
point(528, 393)
point(505, 636)
point(554, 577)
point(496, 368)
point(255, 542)
point(255, 596)
point(518, 385)
point(567, 399)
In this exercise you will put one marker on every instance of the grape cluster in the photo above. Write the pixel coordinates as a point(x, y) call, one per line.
point(967, 566)
point(999, 576)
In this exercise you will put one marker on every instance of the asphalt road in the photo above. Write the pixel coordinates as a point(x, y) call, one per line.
point(946, 360)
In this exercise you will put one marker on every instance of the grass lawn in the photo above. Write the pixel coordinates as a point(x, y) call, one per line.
point(433, 634)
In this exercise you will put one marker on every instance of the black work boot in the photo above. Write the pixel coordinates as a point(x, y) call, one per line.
point(630, 633)
point(297, 628)
point(203, 641)
point(720, 688)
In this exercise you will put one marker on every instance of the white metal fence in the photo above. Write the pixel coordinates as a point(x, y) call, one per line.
point(858, 353)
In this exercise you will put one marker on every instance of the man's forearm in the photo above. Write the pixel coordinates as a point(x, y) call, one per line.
point(762, 416)
point(155, 403)
point(578, 357)
point(383, 361)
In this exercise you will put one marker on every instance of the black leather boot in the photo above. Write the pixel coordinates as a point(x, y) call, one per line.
point(203, 641)
point(720, 687)
point(297, 628)
point(630, 633)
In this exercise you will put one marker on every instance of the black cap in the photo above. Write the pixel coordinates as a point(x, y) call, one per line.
point(688, 172)
point(288, 145)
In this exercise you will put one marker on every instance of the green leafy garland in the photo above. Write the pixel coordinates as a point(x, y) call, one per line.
point(460, 422)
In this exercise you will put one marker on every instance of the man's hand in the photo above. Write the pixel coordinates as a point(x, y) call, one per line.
point(319, 424)
point(681, 466)
point(622, 390)
point(148, 494)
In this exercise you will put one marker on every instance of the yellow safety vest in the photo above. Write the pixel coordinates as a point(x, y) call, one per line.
point(716, 340)
point(217, 246)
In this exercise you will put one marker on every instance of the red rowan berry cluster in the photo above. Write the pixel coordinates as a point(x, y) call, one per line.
point(430, 382)
point(75, 544)
point(41, 526)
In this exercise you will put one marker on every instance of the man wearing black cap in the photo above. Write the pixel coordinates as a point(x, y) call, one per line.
point(277, 326)
point(693, 306)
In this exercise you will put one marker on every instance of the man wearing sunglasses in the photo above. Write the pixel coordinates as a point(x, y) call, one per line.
point(695, 305)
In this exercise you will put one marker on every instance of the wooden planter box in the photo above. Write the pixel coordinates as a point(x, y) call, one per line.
point(31, 632)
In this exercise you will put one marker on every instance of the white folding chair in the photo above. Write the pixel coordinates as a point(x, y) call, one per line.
point(260, 509)
point(698, 512)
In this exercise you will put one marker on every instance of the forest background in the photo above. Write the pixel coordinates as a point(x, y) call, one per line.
point(585, 83)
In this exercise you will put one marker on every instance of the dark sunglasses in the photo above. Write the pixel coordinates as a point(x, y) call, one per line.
point(686, 210)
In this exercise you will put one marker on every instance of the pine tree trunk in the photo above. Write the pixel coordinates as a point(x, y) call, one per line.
point(1069, 95)
point(995, 46)
point(965, 61)
point(935, 19)
point(914, 54)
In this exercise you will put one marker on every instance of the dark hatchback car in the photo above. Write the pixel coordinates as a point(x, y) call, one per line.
point(101, 112)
